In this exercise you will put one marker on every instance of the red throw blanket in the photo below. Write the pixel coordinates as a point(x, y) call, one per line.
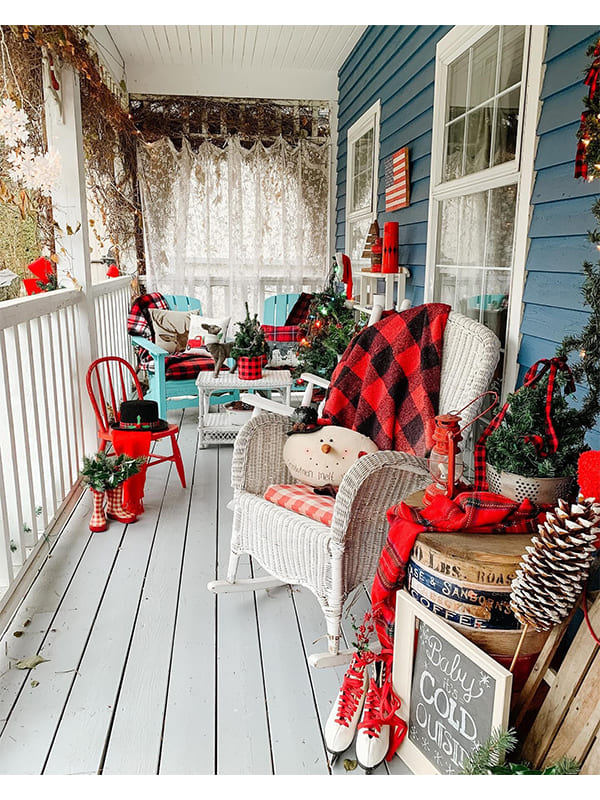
point(387, 384)
point(133, 444)
point(469, 512)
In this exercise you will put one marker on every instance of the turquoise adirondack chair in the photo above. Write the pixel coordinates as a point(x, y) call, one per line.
point(172, 394)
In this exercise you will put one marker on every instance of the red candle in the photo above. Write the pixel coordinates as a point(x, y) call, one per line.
point(390, 247)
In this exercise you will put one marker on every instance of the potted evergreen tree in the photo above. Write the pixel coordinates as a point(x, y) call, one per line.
point(250, 348)
point(520, 462)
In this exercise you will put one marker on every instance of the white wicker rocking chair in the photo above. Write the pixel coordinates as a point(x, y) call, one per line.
point(333, 561)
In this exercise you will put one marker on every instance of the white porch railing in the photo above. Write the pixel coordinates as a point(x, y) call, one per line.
point(45, 410)
point(112, 301)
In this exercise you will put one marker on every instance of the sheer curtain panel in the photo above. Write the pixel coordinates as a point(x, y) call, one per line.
point(232, 224)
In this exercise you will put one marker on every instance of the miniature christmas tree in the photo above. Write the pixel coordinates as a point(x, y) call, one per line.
point(327, 332)
point(512, 446)
point(250, 338)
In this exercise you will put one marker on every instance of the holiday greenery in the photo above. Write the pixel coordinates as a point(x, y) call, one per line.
point(102, 472)
point(326, 333)
point(511, 446)
point(587, 164)
point(490, 759)
point(250, 338)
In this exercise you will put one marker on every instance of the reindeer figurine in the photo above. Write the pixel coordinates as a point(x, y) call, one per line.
point(218, 350)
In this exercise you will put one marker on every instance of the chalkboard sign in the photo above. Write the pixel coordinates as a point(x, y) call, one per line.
point(453, 694)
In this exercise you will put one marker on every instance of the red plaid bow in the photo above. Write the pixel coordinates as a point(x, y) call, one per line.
point(545, 445)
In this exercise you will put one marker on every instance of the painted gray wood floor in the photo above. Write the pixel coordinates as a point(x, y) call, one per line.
point(147, 672)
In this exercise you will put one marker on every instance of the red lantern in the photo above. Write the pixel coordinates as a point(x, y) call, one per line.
point(446, 460)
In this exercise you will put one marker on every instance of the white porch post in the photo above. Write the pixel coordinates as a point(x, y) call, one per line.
point(65, 135)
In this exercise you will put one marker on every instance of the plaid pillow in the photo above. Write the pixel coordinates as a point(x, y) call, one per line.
point(303, 500)
point(282, 333)
point(299, 311)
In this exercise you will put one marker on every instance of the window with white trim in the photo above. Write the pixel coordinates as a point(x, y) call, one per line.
point(361, 181)
point(481, 175)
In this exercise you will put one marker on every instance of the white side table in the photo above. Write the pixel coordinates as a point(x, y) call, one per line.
point(216, 427)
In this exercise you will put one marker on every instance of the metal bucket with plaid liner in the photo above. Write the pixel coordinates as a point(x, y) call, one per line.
point(541, 491)
point(250, 367)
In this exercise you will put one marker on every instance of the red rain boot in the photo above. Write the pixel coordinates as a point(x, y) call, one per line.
point(114, 506)
point(98, 520)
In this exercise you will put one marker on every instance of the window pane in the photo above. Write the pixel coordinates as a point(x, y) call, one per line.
point(462, 230)
point(499, 250)
point(357, 236)
point(507, 123)
point(362, 183)
point(455, 133)
point(457, 288)
point(483, 69)
point(512, 56)
point(478, 139)
point(458, 73)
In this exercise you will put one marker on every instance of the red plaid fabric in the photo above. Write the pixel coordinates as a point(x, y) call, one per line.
point(299, 311)
point(183, 366)
point(250, 368)
point(303, 500)
point(387, 384)
point(179, 366)
point(282, 333)
point(469, 512)
point(544, 444)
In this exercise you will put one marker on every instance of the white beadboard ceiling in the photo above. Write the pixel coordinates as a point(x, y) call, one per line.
point(268, 61)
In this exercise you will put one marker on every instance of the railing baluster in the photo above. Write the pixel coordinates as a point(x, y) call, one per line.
point(49, 448)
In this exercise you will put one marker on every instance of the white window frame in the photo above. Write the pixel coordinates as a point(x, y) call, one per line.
point(519, 171)
point(370, 119)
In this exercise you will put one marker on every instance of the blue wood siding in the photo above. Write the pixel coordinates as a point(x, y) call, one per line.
point(396, 65)
point(561, 206)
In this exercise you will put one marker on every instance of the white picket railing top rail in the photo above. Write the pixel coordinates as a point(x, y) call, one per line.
point(23, 309)
point(111, 285)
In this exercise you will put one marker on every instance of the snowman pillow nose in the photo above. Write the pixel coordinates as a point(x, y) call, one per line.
point(325, 448)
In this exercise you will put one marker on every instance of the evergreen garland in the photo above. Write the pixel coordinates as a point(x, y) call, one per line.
point(490, 759)
point(102, 472)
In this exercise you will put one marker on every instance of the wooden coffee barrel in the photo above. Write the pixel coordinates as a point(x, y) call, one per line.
point(466, 578)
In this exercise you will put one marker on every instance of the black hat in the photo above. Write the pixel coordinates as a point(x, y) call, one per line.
point(305, 420)
point(139, 415)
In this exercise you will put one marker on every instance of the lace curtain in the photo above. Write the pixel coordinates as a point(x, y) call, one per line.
point(232, 224)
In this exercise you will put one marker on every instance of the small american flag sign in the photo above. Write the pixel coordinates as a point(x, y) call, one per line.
point(396, 180)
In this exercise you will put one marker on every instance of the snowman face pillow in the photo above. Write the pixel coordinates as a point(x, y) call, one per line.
point(323, 457)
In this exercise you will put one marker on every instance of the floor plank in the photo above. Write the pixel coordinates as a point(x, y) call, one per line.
point(148, 671)
point(189, 733)
point(135, 737)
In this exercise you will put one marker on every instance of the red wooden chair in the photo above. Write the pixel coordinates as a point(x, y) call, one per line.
point(109, 381)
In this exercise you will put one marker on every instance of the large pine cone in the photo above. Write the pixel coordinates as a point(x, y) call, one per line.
point(555, 568)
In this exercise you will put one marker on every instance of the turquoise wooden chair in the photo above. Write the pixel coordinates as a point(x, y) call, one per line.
point(277, 308)
point(173, 394)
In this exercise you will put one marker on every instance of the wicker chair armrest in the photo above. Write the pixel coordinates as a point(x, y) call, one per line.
point(258, 454)
point(371, 486)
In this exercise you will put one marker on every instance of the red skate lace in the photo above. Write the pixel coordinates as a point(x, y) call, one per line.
point(351, 689)
point(381, 707)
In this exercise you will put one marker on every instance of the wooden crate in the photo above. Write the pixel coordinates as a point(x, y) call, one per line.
point(568, 720)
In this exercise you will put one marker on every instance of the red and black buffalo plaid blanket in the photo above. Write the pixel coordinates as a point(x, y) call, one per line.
point(387, 384)
point(469, 512)
point(179, 366)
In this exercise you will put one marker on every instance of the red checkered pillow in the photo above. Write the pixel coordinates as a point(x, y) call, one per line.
point(303, 500)
point(282, 333)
